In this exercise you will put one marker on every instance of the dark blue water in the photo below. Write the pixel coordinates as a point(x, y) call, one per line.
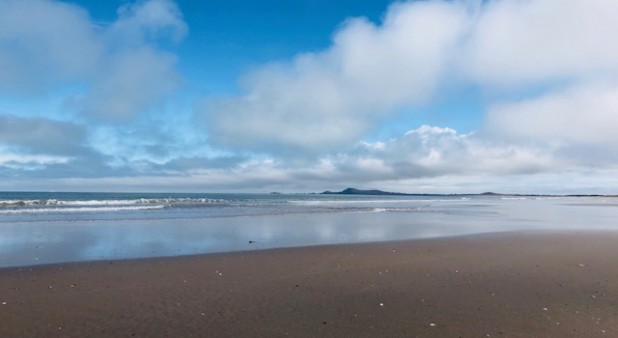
point(41, 228)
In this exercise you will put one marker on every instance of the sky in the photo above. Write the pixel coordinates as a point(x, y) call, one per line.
point(460, 96)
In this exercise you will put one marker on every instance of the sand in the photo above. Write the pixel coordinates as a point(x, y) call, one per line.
point(501, 285)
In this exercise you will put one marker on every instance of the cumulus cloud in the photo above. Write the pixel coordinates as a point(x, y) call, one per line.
point(552, 63)
point(428, 159)
point(134, 81)
point(516, 43)
point(46, 43)
point(37, 143)
point(320, 101)
point(433, 151)
point(137, 75)
point(326, 101)
point(583, 114)
point(41, 136)
point(578, 123)
point(151, 19)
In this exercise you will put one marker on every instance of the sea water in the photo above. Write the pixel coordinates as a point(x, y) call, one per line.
point(42, 228)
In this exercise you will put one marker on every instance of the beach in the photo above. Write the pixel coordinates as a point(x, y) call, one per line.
point(516, 284)
point(385, 168)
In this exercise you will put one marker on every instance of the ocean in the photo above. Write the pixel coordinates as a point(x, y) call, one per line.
point(53, 227)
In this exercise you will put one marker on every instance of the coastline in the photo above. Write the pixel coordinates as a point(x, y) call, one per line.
point(516, 284)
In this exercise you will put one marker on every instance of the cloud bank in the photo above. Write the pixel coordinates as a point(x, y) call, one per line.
point(546, 71)
point(101, 83)
point(325, 101)
point(46, 44)
point(321, 101)
point(517, 43)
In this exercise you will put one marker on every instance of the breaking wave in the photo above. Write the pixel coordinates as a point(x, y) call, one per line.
point(102, 203)
point(72, 210)
point(53, 206)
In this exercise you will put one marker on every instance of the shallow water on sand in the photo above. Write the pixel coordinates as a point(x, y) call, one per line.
point(42, 228)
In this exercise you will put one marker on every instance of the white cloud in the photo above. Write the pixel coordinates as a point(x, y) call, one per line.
point(47, 44)
point(19, 161)
point(134, 81)
point(44, 43)
point(41, 136)
point(425, 160)
point(434, 151)
point(517, 43)
point(319, 105)
point(324, 102)
point(320, 101)
point(150, 19)
point(577, 124)
point(579, 115)
point(136, 75)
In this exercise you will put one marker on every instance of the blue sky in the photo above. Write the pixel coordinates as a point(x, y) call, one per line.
point(414, 96)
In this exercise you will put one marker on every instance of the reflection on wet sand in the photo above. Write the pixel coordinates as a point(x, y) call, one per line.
point(33, 243)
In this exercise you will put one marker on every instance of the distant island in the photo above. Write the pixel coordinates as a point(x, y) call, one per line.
point(354, 191)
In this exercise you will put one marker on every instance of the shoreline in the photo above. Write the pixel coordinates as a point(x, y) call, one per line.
point(514, 284)
point(296, 247)
point(410, 241)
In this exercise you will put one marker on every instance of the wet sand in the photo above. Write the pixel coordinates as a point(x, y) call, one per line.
point(501, 285)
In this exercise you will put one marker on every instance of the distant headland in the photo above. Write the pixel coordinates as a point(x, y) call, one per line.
point(354, 191)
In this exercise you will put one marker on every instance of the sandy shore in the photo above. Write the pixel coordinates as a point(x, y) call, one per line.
point(510, 285)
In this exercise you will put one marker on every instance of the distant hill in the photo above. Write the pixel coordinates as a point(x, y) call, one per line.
point(353, 191)
point(490, 194)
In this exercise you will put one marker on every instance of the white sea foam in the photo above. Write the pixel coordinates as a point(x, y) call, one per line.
point(380, 210)
point(94, 203)
point(82, 209)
